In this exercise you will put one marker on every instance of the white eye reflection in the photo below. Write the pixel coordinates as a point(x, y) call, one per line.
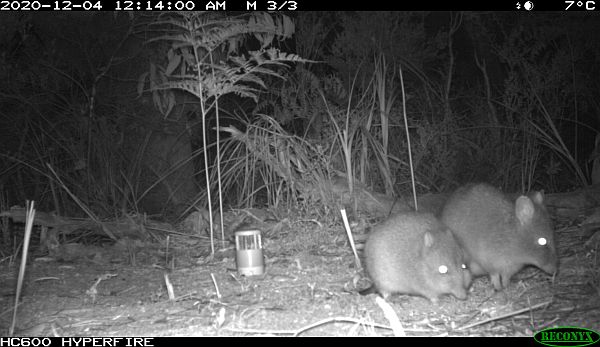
point(443, 269)
point(464, 266)
point(542, 241)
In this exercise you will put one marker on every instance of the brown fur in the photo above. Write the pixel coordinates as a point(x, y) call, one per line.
point(403, 255)
point(500, 236)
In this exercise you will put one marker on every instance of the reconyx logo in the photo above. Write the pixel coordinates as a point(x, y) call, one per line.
point(567, 336)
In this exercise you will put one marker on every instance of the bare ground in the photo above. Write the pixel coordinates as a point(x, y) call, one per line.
point(309, 289)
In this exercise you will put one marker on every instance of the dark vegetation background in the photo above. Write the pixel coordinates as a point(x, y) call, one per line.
point(107, 112)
